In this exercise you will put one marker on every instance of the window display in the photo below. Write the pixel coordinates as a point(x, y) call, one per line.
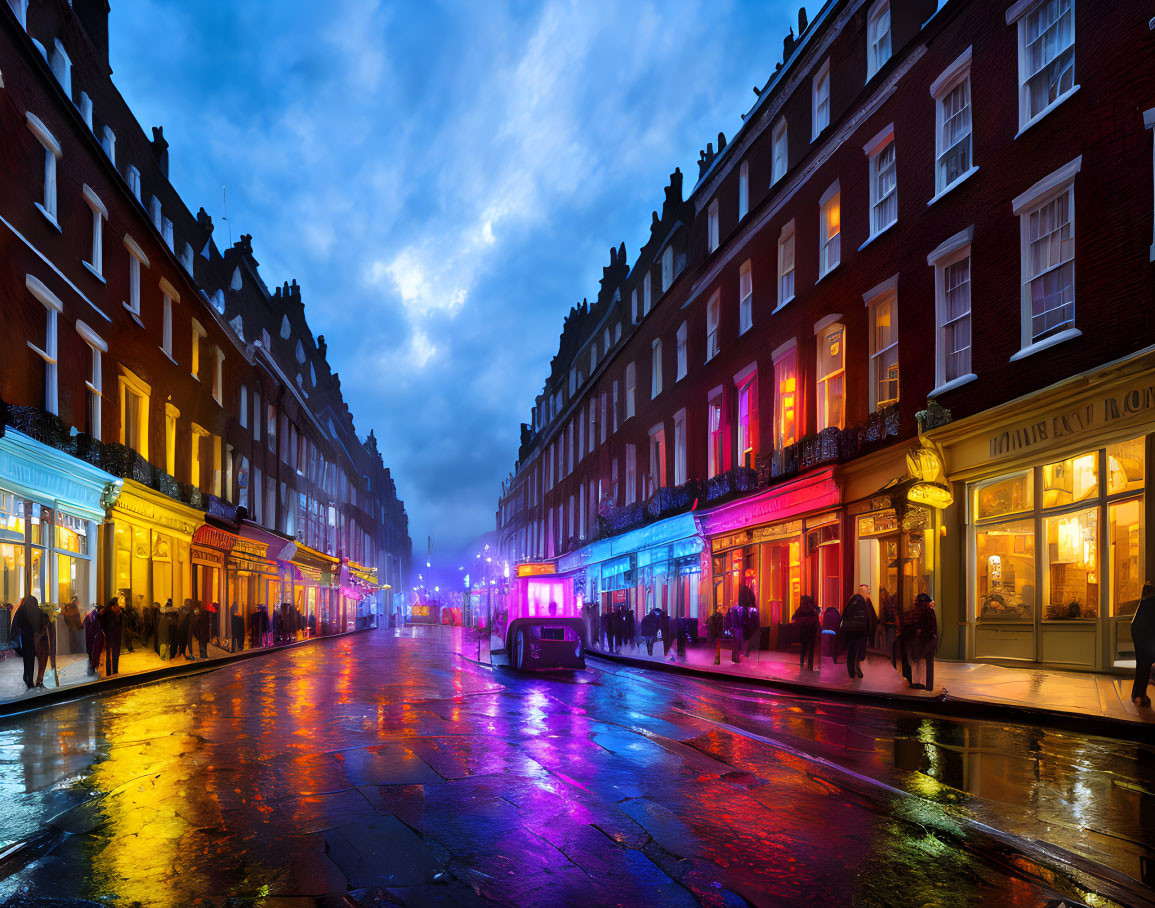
point(1006, 572)
point(1072, 561)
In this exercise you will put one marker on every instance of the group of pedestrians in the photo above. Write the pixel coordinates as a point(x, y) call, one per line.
point(910, 638)
point(743, 622)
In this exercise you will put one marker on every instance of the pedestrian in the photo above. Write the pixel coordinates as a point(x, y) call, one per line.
point(734, 626)
point(649, 630)
point(184, 629)
point(855, 629)
point(920, 642)
point(609, 622)
point(715, 630)
point(73, 623)
point(806, 619)
point(831, 621)
point(631, 626)
point(27, 625)
point(203, 629)
point(237, 626)
point(680, 638)
point(112, 620)
point(152, 626)
point(1143, 636)
point(93, 640)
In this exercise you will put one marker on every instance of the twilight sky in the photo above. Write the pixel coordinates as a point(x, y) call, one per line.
point(444, 179)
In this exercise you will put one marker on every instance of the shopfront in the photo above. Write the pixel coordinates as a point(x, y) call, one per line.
point(51, 506)
point(358, 589)
point(316, 593)
point(782, 543)
point(210, 551)
point(1050, 532)
point(147, 555)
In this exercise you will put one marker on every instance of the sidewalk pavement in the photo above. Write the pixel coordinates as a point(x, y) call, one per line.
point(1098, 703)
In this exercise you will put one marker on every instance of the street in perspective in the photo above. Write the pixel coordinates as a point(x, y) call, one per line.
point(562, 513)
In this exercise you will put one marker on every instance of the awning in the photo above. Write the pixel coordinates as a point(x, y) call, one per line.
point(277, 546)
point(48, 475)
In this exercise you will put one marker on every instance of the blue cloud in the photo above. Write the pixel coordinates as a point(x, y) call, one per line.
point(444, 180)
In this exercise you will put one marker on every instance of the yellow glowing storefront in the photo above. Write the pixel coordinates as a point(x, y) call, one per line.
point(1047, 538)
point(315, 592)
point(147, 555)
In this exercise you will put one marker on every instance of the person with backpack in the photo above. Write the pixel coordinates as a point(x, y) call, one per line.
point(806, 619)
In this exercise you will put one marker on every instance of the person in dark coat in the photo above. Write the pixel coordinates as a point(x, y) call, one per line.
point(237, 629)
point(631, 625)
point(649, 630)
point(831, 622)
point(93, 640)
point(857, 626)
point(28, 625)
point(888, 618)
point(112, 620)
point(665, 628)
point(1143, 635)
point(715, 631)
point(751, 620)
point(203, 625)
point(184, 629)
point(734, 626)
point(806, 620)
point(920, 642)
point(163, 633)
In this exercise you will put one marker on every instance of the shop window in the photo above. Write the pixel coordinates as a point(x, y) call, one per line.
point(134, 398)
point(1046, 57)
point(745, 298)
point(52, 153)
point(786, 396)
point(1006, 495)
point(1072, 578)
point(1125, 466)
point(1005, 556)
point(1071, 481)
point(779, 161)
point(743, 189)
point(1125, 525)
point(877, 37)
point(951, 91)
point(786, 264)
point(820, 106)
point(830, 230)
point(746, 392)
point(714, 415)
point(884, 350)
point(825, 550)
point(713, 318)
point(831, 376)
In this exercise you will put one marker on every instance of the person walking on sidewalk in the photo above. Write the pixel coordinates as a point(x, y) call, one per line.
point(1143, 634)
point(93, 640)
point(806, 619)
point(857, 626)
point(27, 625)
point(715, 630)
point(631, 626)
point(734, 619)
point(751, 621)
point(666, 629)
point(183, 627)
point(112, 620)
point(831, 621)
point(649, 630)
point(888, 619)
point(920, 642)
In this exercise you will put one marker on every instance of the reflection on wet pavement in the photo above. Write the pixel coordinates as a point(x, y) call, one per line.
point(385, 762)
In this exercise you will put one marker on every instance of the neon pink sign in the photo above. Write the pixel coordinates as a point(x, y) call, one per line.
point(810, 493)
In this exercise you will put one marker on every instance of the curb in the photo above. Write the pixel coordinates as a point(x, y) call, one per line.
point(61, 695)
point(1099, 726)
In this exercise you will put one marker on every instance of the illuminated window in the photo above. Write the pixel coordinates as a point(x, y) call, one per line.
point(713, 317)
point(779, 153)
point(830, 226)
point(134, 398)
point(877, 37)
point(199, 334)
point(1046, 215)
point(745, 298)
point(1046, 57)
point(95, 262)
point(712, 226)
point(831, 376)
point(683, 359)
point(52, 154)
point(218, 374)
point(743, 189)
point(785, 360)
point(171, 414)
point(820, 108)
point(746, 411)
point(714, 451)
point(883, 306)
point(952, 282)
point(786, 264)
point(48, 353)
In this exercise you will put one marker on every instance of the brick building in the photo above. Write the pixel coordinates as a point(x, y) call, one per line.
point(175, 422)
point(870, 349)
